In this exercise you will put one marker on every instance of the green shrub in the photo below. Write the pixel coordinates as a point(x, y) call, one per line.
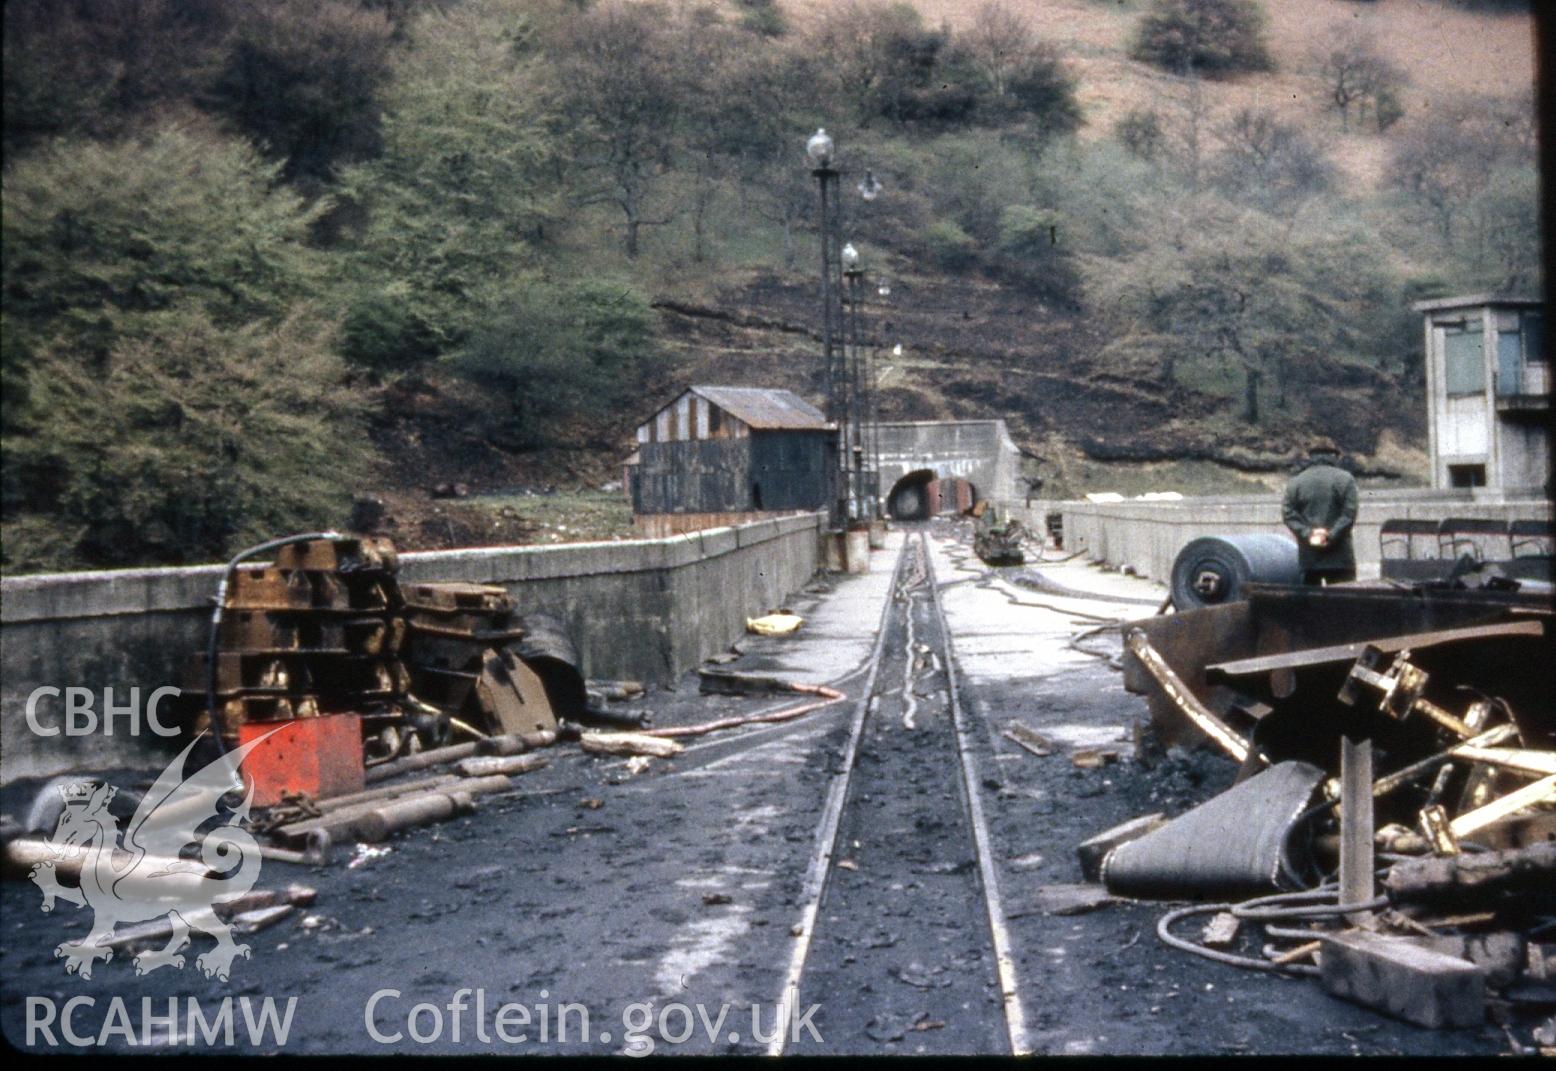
point(463, 188)
point(1140, 131)
point(1045, 92)
point(304, 81)
point(1387, 109)
point(949, 246)
point(1208, 37)
point(763, 17)
point(1031, 255)
point(187, 443)
point(99, 235)
point(1029, 233)
point(383, 330)
point(562, 352)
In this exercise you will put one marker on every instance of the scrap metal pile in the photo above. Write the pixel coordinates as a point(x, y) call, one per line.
point(994, 542)
point(333, 676)
point(1392, 829)
point(326, 630)
point(335, 680)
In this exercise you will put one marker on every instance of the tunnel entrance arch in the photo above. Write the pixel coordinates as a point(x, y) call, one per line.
point(909, 498)
point(924, 493)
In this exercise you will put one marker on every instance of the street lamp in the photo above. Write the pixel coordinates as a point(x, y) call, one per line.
point(819, 149)
point(848, 380)
point(869, 186)
point(853, 274)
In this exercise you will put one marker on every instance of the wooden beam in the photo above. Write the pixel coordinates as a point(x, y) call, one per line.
point(1541, 791)
point(1540, 763)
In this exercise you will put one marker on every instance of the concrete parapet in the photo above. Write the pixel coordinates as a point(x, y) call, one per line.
point(637, 609)
point(1147, 536)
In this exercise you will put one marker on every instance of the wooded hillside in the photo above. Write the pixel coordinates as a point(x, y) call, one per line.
point(263, 256)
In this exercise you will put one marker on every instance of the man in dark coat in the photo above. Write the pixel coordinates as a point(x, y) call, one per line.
point(1320, 509)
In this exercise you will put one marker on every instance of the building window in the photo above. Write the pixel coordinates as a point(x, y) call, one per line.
point(1510, 362)
point(1520, 343)
point(1466, 475)
point(1464, 361)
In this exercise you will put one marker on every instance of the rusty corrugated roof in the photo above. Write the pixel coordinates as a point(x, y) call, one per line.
point(765, 409)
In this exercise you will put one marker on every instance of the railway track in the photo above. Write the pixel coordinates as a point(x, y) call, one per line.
point(902, 941)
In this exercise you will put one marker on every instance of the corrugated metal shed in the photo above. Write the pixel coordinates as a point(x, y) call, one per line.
point(729, 413)
point(765, 409)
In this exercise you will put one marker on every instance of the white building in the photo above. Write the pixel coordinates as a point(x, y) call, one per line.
point(1488, 393)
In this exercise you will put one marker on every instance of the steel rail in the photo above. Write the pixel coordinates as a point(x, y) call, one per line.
point(820, 869)
point(1010, 994)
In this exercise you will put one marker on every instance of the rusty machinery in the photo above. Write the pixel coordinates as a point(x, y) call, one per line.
point(326, 628)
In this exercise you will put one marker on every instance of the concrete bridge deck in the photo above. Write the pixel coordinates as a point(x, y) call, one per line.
point(671, 903)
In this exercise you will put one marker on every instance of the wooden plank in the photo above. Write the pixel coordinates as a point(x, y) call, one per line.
point(1025, 736)
point(629, 744)
point(1513, 758)
point(1541, 791)
point(1388, 784)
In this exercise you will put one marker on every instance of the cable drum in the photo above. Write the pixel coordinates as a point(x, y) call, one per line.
point(1213, 570)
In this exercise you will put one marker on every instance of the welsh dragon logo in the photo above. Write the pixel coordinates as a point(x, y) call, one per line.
point(143, 878)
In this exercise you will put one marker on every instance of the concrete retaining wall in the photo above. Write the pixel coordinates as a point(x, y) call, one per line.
point(979, 451)
point(1146, 536)
point(639, 609)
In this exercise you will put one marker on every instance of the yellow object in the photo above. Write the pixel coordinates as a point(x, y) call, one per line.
point(779, 624)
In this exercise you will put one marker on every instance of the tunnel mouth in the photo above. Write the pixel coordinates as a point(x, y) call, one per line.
point(923, 493)
point(909, 498)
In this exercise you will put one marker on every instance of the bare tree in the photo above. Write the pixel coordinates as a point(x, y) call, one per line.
point(703, 43)
point(1355, 74)
point(1000, 42)
point(1191, 130)
point(1270, 162)
point(1446, 158)
point(861, 41)
point(622, 97)
point(764, 102)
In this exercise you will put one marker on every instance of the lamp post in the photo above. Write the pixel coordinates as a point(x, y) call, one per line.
point(819, 148)
point(872, 394)
point(853, 274)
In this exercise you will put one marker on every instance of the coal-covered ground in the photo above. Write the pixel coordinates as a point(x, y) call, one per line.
point(902, 946)
point(682, 887)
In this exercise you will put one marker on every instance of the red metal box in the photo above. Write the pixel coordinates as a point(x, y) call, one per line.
point(318, 756)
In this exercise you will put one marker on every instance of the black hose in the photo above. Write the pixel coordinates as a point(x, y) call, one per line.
point(1163, 931)
point(217, 729)
point(1261, 909)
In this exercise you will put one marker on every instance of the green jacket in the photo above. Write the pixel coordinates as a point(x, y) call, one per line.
point(1322, 496)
